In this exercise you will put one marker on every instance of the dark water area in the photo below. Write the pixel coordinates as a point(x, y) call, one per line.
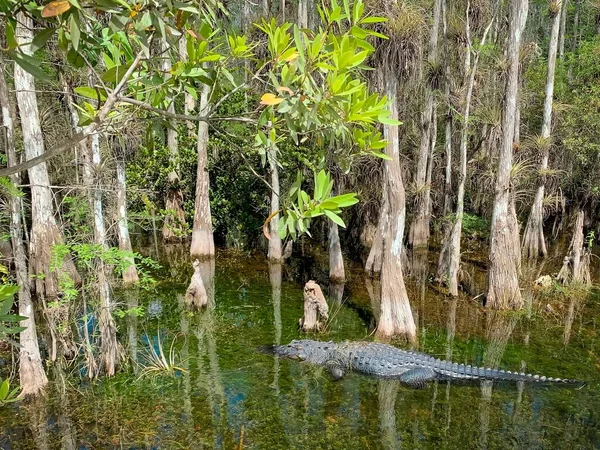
point(221, 392)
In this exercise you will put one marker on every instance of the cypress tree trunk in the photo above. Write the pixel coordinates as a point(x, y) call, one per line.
point(563, 29)
point(203, 245)
point(396, 317)
point(577, 247)
point(453, 244)
point(174, 223)
point(45, 233)
point(275, 247)
point(419, 229)
point(337, 274)
point(336, 260)
point(31, 370)
point(503, 275)
point(130, 275)
point(534, 243)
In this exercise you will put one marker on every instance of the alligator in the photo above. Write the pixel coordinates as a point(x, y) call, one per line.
point(412, 368)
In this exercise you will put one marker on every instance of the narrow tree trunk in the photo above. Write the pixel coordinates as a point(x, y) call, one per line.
point(130, 275)
point(373, 264)
point(45, 233)
point(174, 222)
point(419, 229)
point(109, 356)
point(534, 243)
point(203, 245)
point(31, 370)
point(453, 245)
point(577, 247)
point(396, 317)
point(189, 103)
point(275, 253)
point(503, 275)
point(336, 260)
point(303, 13)
point(563, 29)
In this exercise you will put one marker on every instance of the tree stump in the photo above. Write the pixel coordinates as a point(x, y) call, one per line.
point(195, 296)
point(316, 311)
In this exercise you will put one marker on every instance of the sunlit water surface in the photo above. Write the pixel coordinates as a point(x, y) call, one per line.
point(225, 394)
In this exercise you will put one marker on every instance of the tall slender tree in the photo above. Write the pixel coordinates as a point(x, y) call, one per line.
point(503, 274)
point(419, 229)
point(396, 318)
point(203, 245)
point(451, 261)
point(45, 233)
point(31, 370)
point(174, 223)
point(534, 243)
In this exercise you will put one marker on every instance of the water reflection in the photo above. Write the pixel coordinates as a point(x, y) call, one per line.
point(226, 385)
point(388, 392)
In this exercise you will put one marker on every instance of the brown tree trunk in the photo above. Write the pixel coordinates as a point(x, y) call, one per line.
point(196, 296)
point(534, 243)
point(396, 317)
point(45, 233)
point(419, 230)
point(31, 370)
point(203, 245)
point(316, 311)
point(130, 275)
point(503, 275)
point(374, 260)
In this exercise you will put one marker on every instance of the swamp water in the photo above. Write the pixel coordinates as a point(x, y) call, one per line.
point(225, 394)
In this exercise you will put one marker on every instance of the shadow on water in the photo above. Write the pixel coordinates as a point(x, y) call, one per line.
point(226, 394)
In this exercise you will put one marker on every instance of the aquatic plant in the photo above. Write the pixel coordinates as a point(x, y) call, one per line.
point(156, 362)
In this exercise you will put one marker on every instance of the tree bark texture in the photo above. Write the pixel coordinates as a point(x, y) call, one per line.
point(275, 245)
point(203, 245)
point(503, 275)
point(396, 317)
point(419, 229)
point(316, 311)
point(45, 233)
point(130, 275)
point(337, 274)
point(534, 243)
point(195, 295)
point(32, 376)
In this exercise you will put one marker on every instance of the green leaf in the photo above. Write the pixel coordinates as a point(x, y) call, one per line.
point(386, 120)
point(335, 218)
point(88, 92)
point(373, 19)
point(75, 32)
point(281, 228)
point(4, 390)
point(115, 74)
point(30, 65)
point(344, 200)
point(41, 38)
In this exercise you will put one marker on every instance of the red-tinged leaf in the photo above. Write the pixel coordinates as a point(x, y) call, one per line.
point(56, 8)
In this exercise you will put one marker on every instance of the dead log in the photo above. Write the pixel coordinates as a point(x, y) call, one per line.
point(195, 296)
point(316, 311)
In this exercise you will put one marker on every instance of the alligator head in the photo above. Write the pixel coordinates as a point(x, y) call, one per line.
point(306, 350)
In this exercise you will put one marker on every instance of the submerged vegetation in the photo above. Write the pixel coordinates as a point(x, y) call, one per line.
point(429, 170)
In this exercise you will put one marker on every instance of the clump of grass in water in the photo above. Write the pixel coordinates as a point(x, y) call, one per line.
point(157, 363)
